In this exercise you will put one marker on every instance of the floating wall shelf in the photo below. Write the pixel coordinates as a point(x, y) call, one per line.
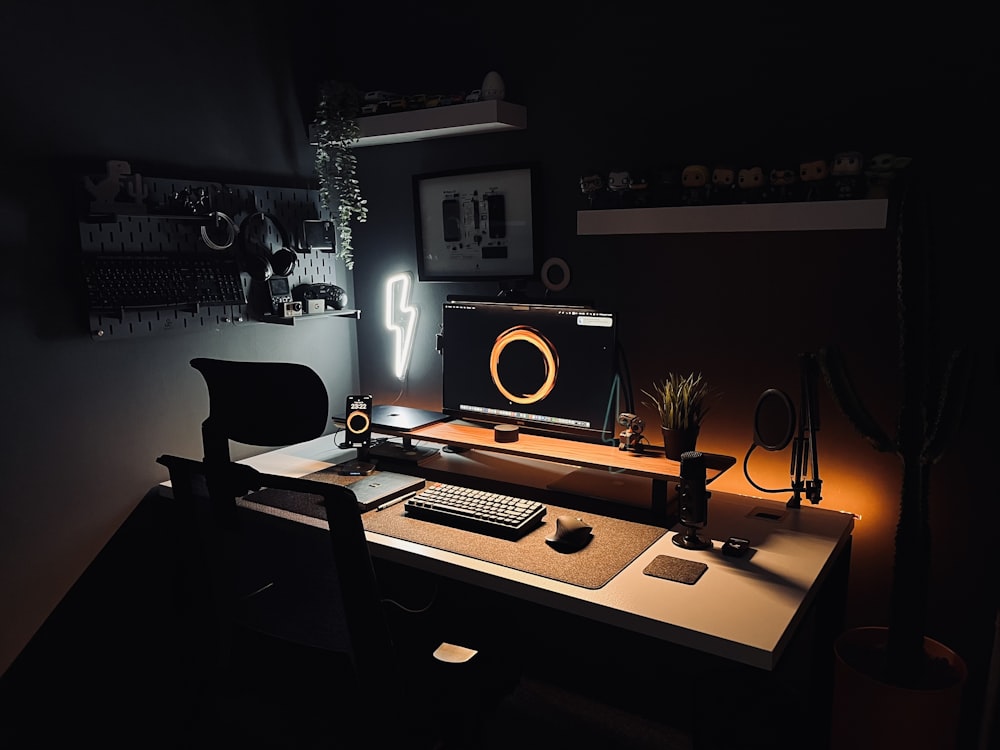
point(490, 116)
point(755, 217)
point(290, 321)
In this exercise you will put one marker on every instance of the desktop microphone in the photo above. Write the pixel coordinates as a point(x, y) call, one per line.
point(693, 495)
point(693, 503)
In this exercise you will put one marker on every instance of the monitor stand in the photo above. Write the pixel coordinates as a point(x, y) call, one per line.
point(403, 451)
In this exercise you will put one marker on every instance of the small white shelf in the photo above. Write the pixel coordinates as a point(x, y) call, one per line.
point(746, 217)
point(489, 116)
point(290, 321)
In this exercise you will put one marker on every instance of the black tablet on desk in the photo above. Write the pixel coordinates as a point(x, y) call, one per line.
point(404, 418)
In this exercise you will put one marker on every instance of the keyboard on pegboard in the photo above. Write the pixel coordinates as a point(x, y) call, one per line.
point(121, 282)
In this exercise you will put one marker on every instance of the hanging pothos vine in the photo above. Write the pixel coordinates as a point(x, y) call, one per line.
point(336, 131)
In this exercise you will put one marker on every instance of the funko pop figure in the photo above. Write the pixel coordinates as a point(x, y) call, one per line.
point(590, 185)
point(723, 184)
point(618, 183)
point(813, 178)
point(781, 185)
point(666, 187)
point(848, 180)
point(694, 185)
point(882, 171)
point(750, 183)
point(638, 190)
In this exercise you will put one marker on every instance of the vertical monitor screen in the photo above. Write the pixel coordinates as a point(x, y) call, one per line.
point(551, 369)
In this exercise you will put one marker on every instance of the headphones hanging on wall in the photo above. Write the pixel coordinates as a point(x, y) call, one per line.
point(257, 257)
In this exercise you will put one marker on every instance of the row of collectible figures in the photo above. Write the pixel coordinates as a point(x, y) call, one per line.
point(848, 176)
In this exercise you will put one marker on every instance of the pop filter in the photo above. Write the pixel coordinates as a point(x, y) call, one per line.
point(773, 420)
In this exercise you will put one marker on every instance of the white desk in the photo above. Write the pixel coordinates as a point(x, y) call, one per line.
point(742, 609)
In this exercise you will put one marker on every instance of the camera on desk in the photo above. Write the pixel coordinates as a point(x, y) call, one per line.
point(291, 309)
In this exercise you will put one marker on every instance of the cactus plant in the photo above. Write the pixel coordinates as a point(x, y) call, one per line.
point(931, 402)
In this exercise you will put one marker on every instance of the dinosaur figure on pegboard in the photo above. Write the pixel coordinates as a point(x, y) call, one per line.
point(106, 191)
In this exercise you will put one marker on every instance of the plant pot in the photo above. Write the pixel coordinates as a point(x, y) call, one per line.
point(870, 713)
point(676, 442)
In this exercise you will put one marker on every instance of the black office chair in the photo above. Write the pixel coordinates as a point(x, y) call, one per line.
point(268, 404)
point(300, 651)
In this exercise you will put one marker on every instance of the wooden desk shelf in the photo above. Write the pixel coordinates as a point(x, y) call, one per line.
point(652, 464)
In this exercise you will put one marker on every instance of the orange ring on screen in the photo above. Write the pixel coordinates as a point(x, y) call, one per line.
point(351, 420)
point(533, 337)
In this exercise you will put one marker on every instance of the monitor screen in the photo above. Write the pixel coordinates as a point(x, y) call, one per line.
point(552, 369)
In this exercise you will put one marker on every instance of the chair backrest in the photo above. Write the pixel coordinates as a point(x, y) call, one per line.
point(290, 581)
point(275, 404)
point(349, 577)
point(260, 403)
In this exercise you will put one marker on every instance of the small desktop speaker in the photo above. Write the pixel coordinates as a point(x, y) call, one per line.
point(358, 423)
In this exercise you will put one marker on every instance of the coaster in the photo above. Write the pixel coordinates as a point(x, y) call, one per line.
point(675, 569)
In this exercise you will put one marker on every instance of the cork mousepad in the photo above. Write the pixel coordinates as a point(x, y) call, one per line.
point(614, 545)
point(675, 569)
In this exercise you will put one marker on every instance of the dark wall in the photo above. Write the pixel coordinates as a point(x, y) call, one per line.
point(632, 90)
point(225, 90)
point(195, 91)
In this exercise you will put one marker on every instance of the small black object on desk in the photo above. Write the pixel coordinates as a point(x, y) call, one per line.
point(736, 547)
point(693, 501)
point(505, 433)
point(355, 468)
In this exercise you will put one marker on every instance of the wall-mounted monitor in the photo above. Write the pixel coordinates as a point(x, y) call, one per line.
point(476, 224)
point(552, 369)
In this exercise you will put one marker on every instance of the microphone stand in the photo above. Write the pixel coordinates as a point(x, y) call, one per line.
point(805, 453)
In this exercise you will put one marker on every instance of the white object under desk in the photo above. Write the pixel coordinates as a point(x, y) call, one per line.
point(742, 609)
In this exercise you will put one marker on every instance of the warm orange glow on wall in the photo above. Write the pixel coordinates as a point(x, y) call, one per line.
point(856, 479)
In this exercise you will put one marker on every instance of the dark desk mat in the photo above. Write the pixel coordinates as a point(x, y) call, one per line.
point(615, 543)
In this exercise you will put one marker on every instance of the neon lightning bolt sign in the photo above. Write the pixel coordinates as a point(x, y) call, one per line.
point(401, 320)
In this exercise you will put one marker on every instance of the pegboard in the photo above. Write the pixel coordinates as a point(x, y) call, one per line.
point(133, 214)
